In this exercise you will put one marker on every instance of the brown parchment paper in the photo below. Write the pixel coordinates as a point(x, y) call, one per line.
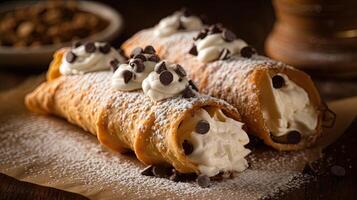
point(49, 151)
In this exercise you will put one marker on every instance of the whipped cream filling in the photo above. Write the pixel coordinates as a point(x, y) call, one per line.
point(137, 76)
point(210, 47)
point(172, 24)
point(158, 87)
point(81, 61)
point(221, 149)
point(288, 108)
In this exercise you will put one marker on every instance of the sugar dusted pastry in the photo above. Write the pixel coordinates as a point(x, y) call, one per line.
point(193, 133)
point(279, 103)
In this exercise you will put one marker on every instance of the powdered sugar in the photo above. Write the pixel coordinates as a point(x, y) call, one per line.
point(69, 158)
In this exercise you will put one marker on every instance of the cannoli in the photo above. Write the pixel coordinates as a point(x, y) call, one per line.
point(278, 103)
point(166, 123)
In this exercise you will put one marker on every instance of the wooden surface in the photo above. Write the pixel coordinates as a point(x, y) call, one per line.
point(12, 189)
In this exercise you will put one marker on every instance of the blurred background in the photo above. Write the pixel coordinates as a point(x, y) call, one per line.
point(317, 36)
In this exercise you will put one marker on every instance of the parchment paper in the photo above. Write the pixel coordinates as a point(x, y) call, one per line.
point(49, 151)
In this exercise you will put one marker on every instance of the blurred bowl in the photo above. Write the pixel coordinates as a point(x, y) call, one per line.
point(39, 57)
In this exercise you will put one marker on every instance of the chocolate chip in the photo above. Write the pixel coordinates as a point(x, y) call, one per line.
point(162, 171)
point(137, 65)
point(202, 127)
point(214, 29)
point(70, 57)
point(147, 171)
point(293, 137)
point(225, 54)
point(186, 12)
point(105, 48)
point(166, 77)
point(228, 35)
point(188, 93)
point(136, 51)
point(187, 147)
point(141, 57)
point(278, 81)
point(160, 67)
point(149, 50)
point(90, 47)
point(77, 44)
point(180, 79)
point(203, 181)
point(193, 50)
point(202, 34)
point(247, 51)
point(154, 58)
point(338, 170)
point(127, 75)
point(179, 70)
point(114, 64)
point(193, 85)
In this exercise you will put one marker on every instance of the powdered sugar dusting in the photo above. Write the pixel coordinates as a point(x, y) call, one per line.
point(69, 158)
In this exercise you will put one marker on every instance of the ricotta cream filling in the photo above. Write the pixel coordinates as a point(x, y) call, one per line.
point(288, 108)
point(221, 149)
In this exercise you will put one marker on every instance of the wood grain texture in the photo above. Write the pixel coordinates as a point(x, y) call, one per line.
point(12, 189)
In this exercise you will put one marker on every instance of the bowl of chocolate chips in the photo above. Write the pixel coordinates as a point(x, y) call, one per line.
point(30, 31)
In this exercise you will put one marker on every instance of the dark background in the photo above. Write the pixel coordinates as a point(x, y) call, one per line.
point(251, 20)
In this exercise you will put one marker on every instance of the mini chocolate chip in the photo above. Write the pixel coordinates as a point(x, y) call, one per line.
point(202, 34)
point(70, 57)
point(147, 171)
point(141, 57)
point(278, 81)
point(162, 171)
point(137, 65)
point(114, 64)
point(338, 170)
point(77, 44)
point(136, 51)
point(202, 127)
point(193, 50)
point(186, 12)
point(154, 58)
point(188, 93)
point(193, 85)
point(180, 79)
point(187, 147)
point(160, 67)
point(127, 75)
point(225, 54)
point(247, 51)
point(214, 29)
point(166, 77)
point(293, 137)
point(228, 35)
point(149, 50)
point(203, 181)
point(105, 48)
point(179, 70)
point(90, 47)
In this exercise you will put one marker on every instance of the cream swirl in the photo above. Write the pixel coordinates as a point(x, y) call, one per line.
point(217, 142)
point(130, 76)
point(168, 80)
point(88, 58)
point(287, 107)
point(178, 21)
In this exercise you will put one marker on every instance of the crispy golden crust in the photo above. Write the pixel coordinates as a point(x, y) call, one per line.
point(238, 80)
point(122, 120)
